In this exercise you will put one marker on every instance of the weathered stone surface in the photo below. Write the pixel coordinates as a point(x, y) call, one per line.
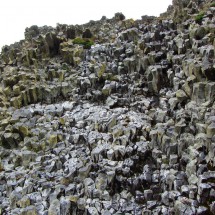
point(124, 127)
point(203, 92)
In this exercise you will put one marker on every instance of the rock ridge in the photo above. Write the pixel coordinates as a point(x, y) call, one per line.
point(115, 116)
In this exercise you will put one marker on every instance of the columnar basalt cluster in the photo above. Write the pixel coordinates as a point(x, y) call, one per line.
point(115, 116)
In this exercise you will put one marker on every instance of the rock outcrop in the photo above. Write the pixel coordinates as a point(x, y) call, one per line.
point(115, 116)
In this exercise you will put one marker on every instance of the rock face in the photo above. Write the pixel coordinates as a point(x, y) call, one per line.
point(126, 126)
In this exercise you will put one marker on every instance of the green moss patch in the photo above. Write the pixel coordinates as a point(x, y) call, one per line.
point(87, 43)
point(199, 17)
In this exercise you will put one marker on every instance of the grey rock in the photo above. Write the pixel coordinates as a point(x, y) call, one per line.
point(29, 210)
point(54, 208)
point(183, 206)
point(92, 211)
point(65, 206)
point(81, 203)
point(202, 210)
point(124, 127)
point(203, 92)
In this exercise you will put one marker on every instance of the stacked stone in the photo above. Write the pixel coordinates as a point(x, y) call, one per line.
point(125, 127)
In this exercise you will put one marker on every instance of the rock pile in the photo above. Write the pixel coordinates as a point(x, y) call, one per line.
point(126, 126)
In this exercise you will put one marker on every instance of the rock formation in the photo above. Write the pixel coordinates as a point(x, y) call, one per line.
point(115, 116)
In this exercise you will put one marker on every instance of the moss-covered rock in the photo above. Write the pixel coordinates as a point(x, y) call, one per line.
point(181, 95)
point(72, 54)
point(24, 130)
point(24, 202)
point(52, 139)
point(10, 140)
point(16, 102)
point(100, 70)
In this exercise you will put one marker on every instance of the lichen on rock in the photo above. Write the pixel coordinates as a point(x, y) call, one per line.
point(115, 116)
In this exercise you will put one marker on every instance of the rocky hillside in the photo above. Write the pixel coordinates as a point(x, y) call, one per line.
point(114, 116)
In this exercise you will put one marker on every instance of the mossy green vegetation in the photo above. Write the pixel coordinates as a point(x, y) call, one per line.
point(212, 4)
point(199, 17)
point(86, 42)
